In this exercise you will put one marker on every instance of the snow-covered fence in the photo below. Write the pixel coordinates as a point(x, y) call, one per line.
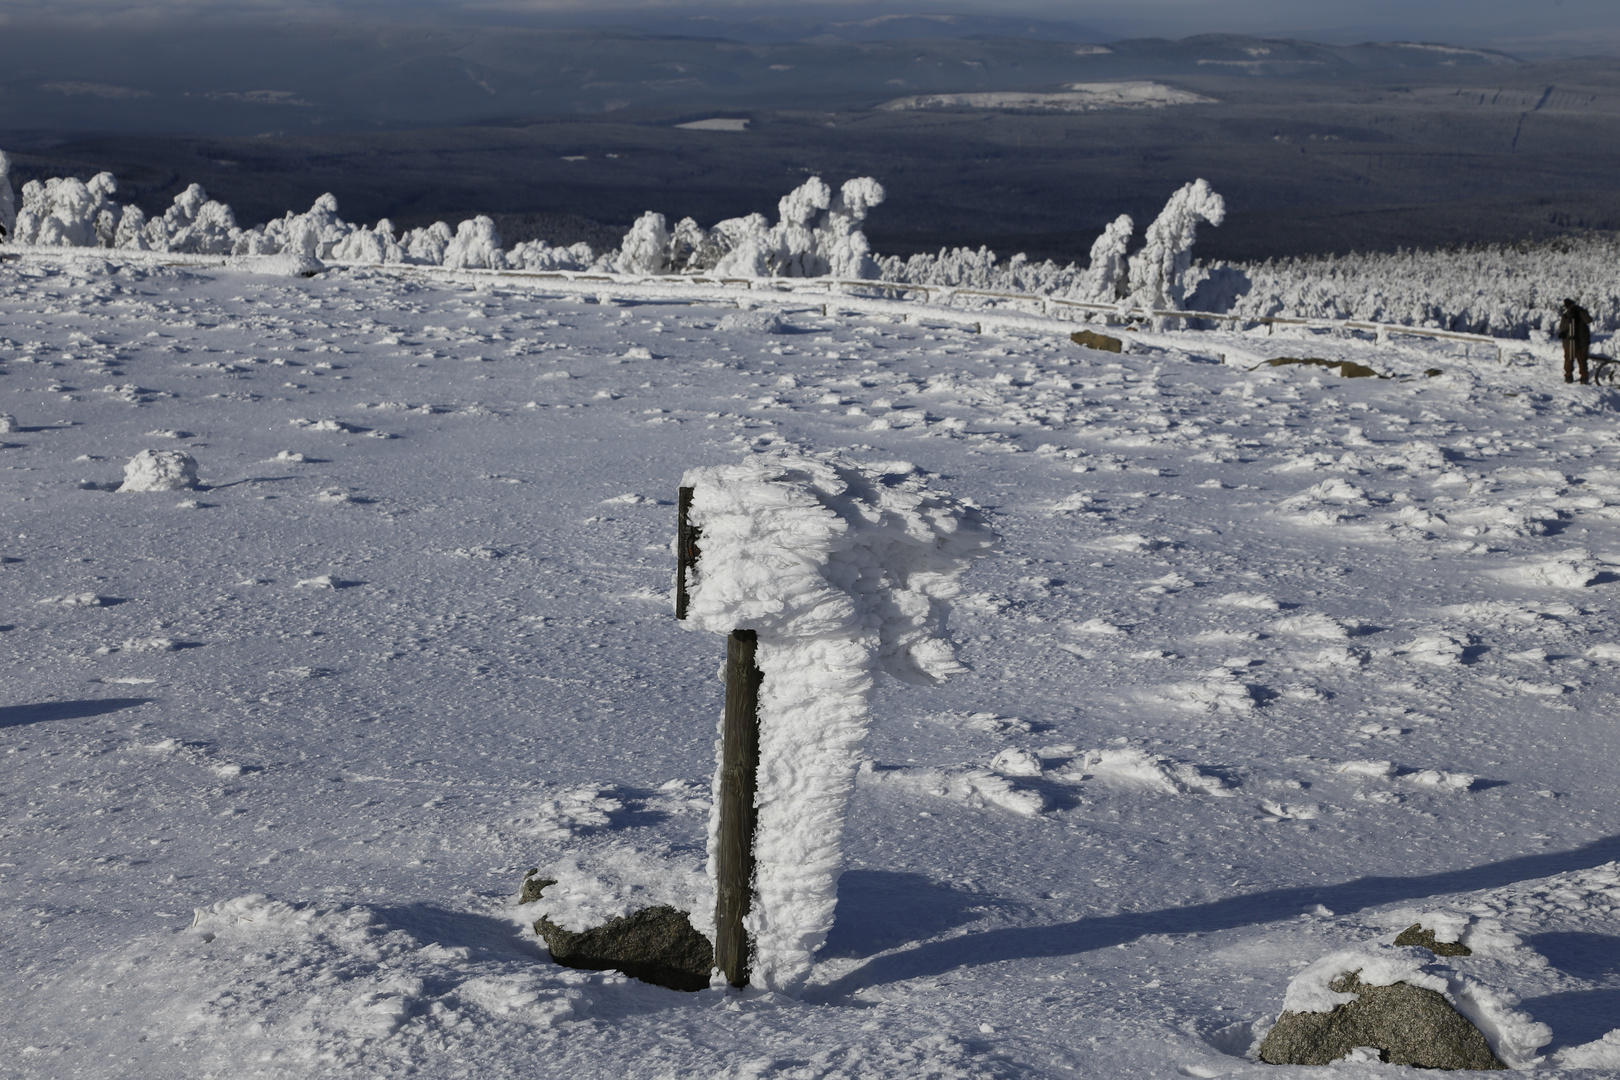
point(821, 574)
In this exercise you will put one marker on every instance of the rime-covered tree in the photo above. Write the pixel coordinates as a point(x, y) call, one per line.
point(8, 197)
point(645, 248)
point(1157, 271)
point(476, 246)
point(842, 245)
point(1104, 279)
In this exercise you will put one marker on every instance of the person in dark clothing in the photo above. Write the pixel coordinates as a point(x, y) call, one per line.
point(1575, 330)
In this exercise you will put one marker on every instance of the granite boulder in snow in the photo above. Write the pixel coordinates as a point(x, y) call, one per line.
point(1423, 937)
point(656, 945)
point(1090, 339)
point(1406, 1024)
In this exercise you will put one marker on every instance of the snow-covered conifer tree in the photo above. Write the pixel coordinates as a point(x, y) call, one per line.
point(195, 224)
point(688, 246)
point(539, 255)
point(793, 241)
point(843, 246)
point(63, 211)
point(8, 198)
point(645, 248)
point(476, 245)
point(745, 247)
point(1104, 278)
point(426, 246)
point(1156, 271)
point(131, 230)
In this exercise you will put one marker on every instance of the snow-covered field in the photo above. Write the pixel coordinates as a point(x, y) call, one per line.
point(1270, 661)
point(1078, 97)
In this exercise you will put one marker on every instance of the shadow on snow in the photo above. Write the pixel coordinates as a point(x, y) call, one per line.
point(935, 958)
point(18, 715)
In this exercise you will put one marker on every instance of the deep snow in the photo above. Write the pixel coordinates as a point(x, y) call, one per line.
point(1271, 662)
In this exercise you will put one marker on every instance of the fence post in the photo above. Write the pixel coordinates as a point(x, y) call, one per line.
point(686, 550)
point(739, 781)
point(739, 769)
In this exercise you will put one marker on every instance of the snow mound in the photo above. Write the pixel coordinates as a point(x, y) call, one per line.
point(1142, 769)
point(1314, 625)
point(752, 322)
point(160, 470)
point(596, 886)
point(8, 424)
point(1601, 1053)
point(1218, 690)
point(1016, 761)
point(570, 812)
point(87, 599)
point(1251, 601)
point(977, 788)
point(302, 989)
point(289, 263)
point(1574, 569)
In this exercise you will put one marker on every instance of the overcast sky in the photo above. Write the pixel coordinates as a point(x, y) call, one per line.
point(1462, 21)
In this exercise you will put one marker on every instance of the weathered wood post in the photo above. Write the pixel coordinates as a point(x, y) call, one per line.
point(686, 550)
point(821, 575)
point(739, 781)
point(739, 772)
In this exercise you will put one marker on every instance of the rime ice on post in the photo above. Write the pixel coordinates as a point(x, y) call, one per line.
point(840, 573)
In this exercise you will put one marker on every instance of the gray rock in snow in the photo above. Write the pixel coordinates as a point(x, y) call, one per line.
point(1422, 937)
point(1090, 339)
point(1408, 1025)
point(656, 945)
point(534, 885)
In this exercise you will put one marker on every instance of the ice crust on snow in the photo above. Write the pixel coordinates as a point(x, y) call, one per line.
point(843, 573)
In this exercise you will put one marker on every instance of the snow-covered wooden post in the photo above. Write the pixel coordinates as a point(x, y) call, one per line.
point(836, 573)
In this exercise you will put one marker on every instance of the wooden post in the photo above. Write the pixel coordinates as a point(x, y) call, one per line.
point(739, 770)
point(686, 550)
point(739, 780)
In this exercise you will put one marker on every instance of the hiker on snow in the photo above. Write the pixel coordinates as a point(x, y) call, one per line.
point(1575, 330)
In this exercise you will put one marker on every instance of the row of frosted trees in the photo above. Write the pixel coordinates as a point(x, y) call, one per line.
point(1156, 276)
point(1506, 290)
point(818, 233)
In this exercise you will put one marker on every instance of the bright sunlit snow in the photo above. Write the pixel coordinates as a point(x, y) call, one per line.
point(336, 603)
